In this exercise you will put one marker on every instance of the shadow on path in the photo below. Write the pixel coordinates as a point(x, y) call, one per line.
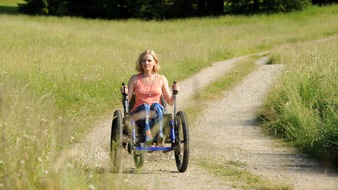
point(9, 10)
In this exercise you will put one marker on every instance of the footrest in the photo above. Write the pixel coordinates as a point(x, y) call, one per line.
point(154, 148)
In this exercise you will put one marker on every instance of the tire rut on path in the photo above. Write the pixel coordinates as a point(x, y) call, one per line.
point(226, 130)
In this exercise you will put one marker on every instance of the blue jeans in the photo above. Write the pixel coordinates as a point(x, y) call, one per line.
point(154, 113)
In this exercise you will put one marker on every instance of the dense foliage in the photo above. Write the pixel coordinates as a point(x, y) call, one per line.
point(160, 9)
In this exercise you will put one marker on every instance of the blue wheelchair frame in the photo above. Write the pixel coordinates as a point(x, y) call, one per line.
point(125, 133)
point(134, 132)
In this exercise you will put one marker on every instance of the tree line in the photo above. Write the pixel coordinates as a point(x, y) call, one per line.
point(161, 9)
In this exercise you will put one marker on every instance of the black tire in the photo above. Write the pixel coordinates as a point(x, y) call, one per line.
point(138, 158)
point(116, 141)
point(182, 142)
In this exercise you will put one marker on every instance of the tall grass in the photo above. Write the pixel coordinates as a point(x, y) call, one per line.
point(60, 75)
point(303, 107)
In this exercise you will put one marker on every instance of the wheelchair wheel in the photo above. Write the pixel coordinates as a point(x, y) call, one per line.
point(116, 141)
point(182, 142)
point(138, 158)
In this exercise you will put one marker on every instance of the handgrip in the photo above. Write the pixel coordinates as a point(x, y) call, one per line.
point(124, 90)
point(175, 91)
point(125, 100)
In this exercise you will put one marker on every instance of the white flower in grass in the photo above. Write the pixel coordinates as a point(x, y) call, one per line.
point(92, 187)
point(69, 165)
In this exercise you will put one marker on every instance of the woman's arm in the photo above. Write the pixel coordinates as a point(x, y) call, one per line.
point(168, 95)
point(131, 86)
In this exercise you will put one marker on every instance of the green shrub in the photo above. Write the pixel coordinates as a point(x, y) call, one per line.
point(34, 7)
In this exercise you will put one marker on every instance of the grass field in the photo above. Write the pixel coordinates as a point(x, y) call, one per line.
point(58, 76)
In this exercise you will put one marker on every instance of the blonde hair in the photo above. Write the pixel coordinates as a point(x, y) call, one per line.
point(156, 67)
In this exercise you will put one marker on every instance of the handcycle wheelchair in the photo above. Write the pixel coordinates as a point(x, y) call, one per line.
point(126, 134)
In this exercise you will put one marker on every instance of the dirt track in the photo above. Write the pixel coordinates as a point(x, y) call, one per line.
point(226, 131)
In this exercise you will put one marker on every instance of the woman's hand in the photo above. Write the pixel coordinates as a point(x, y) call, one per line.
point(175, 88)
point(124, 89)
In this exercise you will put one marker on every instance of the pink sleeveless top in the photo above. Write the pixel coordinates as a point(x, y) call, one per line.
point(147, 94)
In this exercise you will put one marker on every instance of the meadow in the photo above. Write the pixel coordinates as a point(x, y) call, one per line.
point(58, 76)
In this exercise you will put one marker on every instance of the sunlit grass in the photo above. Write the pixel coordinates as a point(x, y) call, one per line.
point(11, 3)
point(60, 75)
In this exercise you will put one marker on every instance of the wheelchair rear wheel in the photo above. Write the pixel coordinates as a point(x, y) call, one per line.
point(182, 142)
point(116, 141)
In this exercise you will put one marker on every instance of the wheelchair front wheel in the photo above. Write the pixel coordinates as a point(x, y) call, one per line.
point(181, 142)
point(138, 158)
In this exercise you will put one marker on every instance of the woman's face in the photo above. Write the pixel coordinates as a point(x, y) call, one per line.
point(148, 62)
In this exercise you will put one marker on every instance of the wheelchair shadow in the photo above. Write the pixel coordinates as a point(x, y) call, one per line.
point(144, 171)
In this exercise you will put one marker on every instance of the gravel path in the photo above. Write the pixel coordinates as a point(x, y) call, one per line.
point(225, 131)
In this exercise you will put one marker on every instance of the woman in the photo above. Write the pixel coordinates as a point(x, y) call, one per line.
point(148, 87)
